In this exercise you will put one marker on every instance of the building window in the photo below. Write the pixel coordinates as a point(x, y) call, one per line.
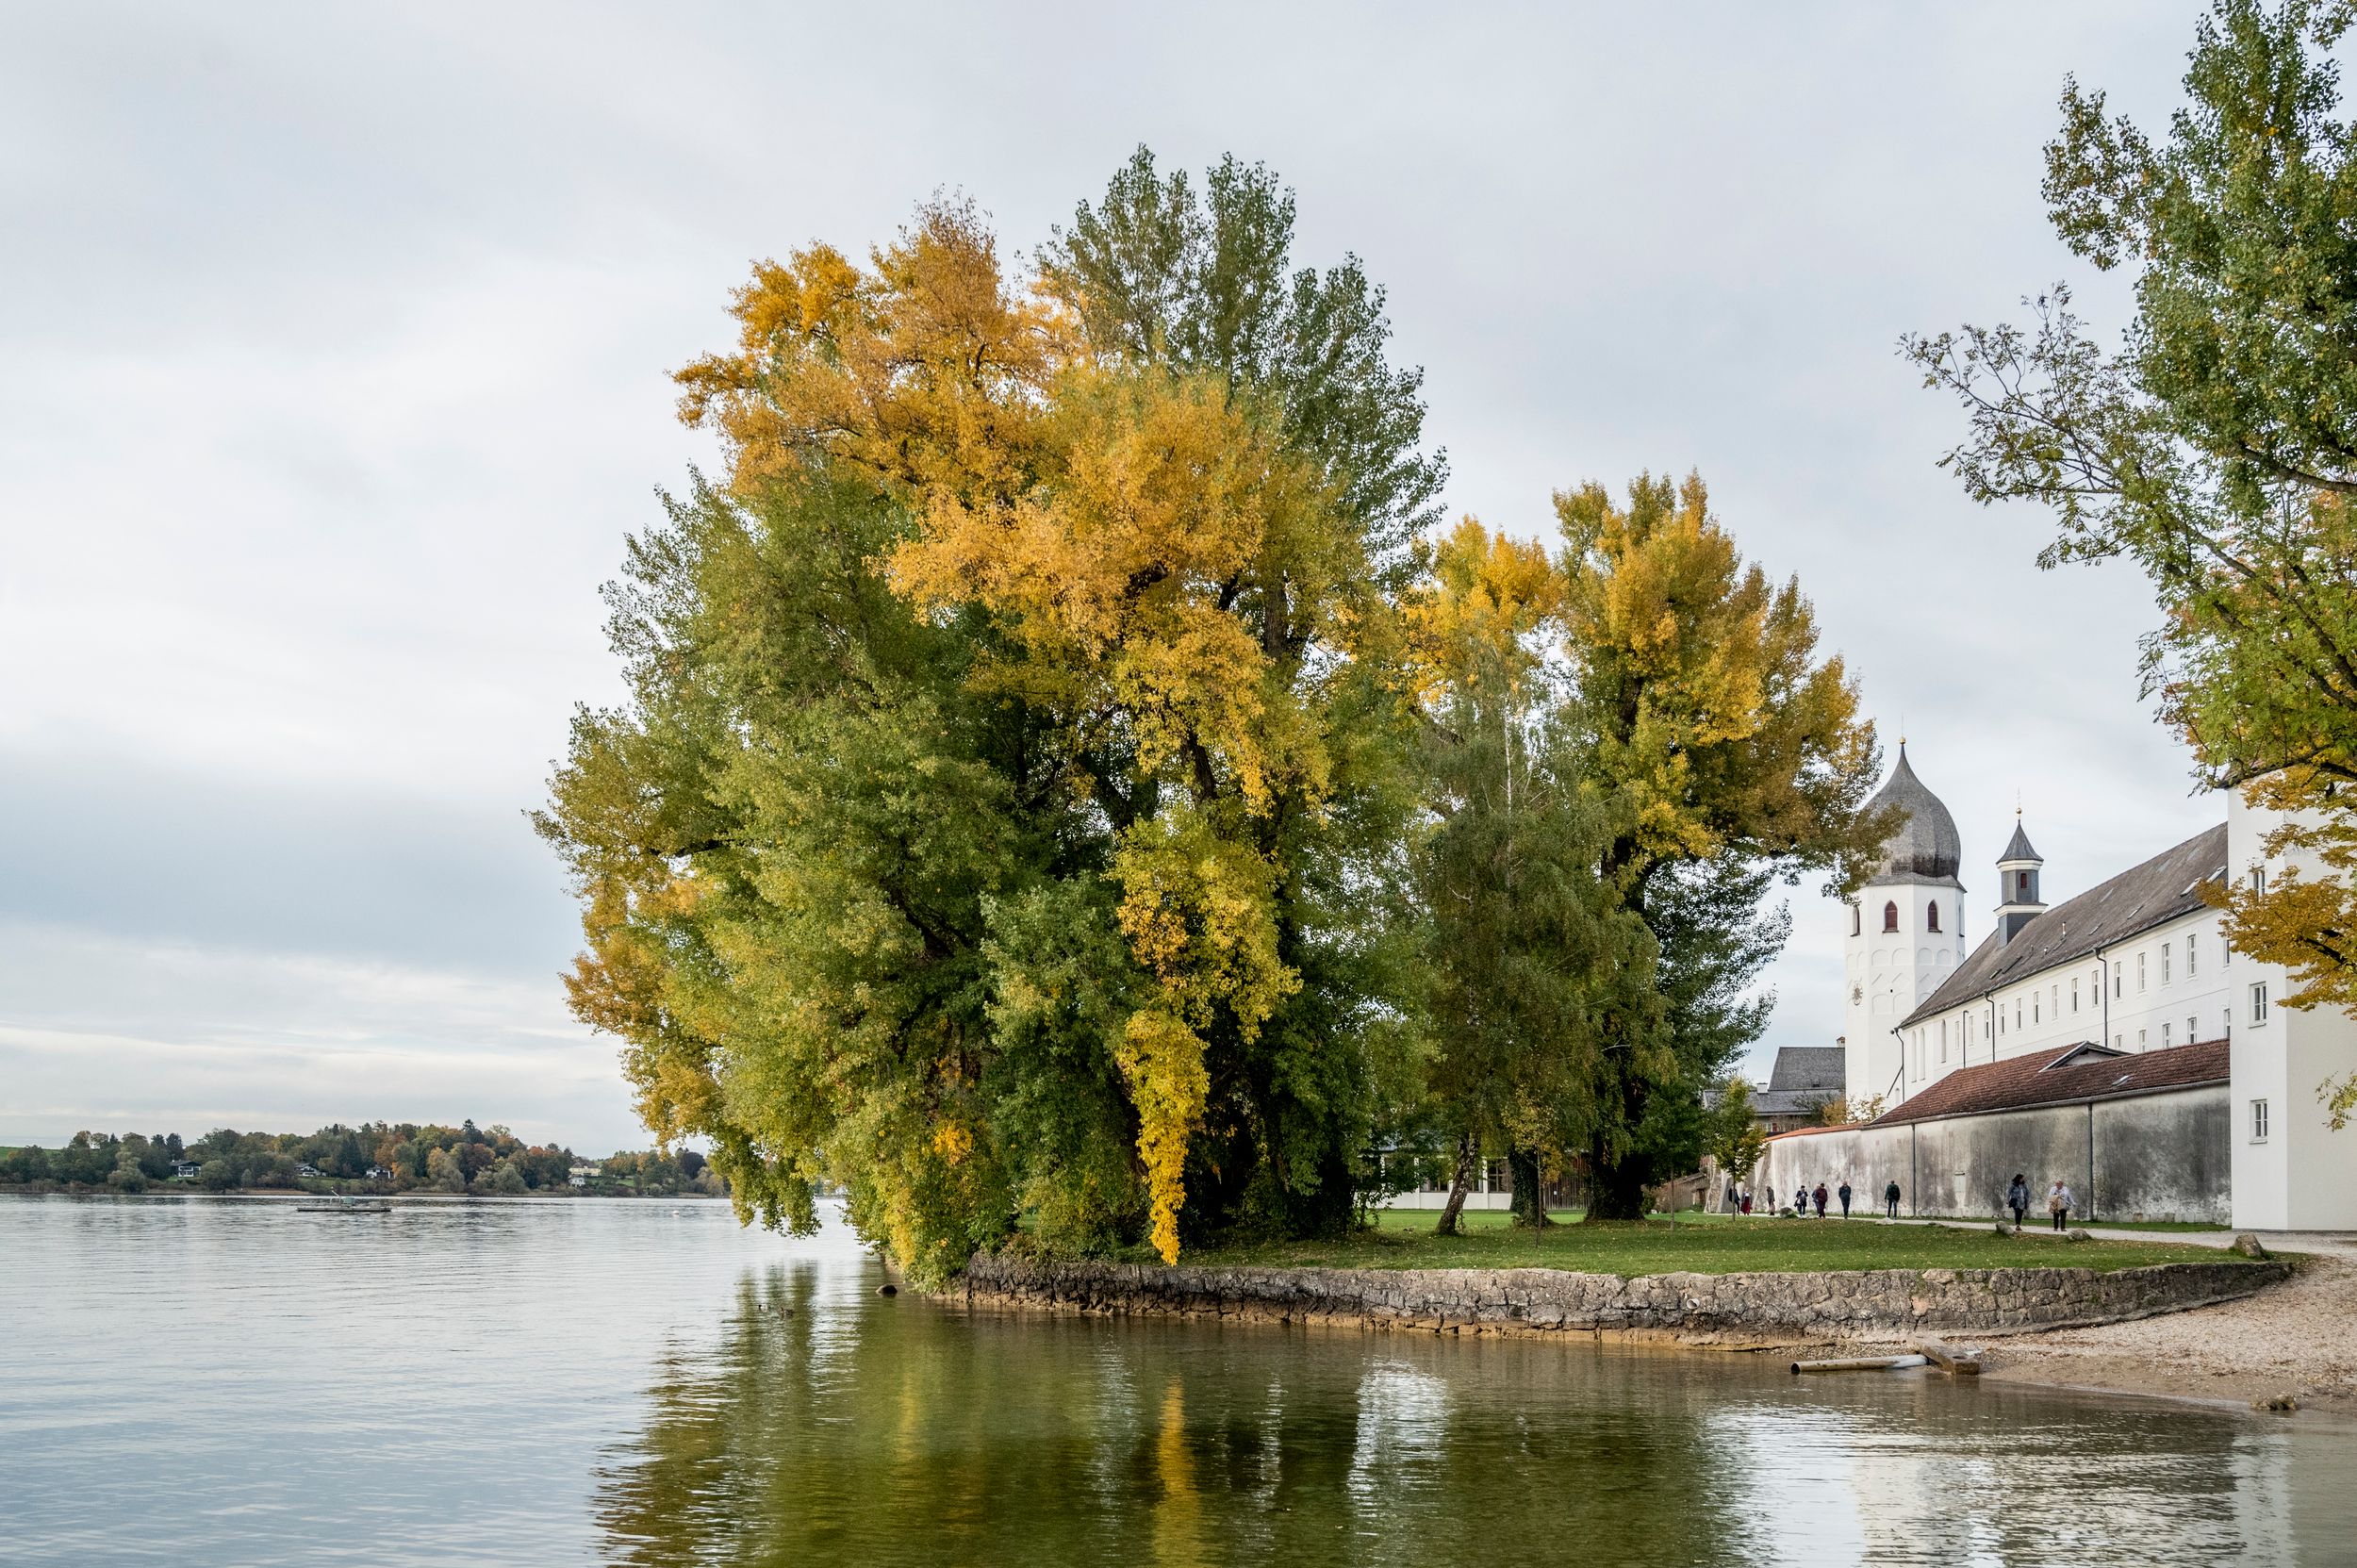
point(2074, 992)
point(2140, 1037)
point(1943, 1039)
point(2116, 977)
point(2258, 1122)
point(2034, 1018)
point(2259, 1004)
point(2139, 971)
point(1891, 916)
point(2193, 1028)
point(2164, 963)
point(2230, 1025)
point(1857, 917)
point(1931, 916)
point(2258, 880)
point(2021, 886)
point(2115, 1042)
point(2193, 962)
point(2164, 1036)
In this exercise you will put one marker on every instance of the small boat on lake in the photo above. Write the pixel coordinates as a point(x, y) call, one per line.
point(345, 1206)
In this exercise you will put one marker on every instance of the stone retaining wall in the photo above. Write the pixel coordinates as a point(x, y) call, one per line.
point(1695, 1308)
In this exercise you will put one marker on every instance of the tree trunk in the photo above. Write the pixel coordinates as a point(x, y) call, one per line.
point(1615, 1191)
point(1530, 1189)
point(1448, 1225)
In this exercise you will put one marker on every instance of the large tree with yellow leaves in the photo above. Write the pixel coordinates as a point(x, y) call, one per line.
point(1724, 753)
point(1005, 820)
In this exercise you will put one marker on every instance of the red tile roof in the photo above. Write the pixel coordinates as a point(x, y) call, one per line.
point(2045, 1077)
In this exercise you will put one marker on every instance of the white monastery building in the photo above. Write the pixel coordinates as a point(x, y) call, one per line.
point(2132, 966)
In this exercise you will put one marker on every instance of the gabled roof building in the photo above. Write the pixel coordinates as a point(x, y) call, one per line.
point(2136, 965)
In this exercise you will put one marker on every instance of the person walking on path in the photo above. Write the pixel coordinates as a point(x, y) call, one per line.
point(1845, 1197)
point(1747, 1203)
point(1821, 1199)
point(2059, 1202)
point(1891, 1199)
point(2017, 1199)
point(1800, 1201)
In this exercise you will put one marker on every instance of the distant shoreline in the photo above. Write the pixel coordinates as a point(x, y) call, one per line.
point(279, 1194)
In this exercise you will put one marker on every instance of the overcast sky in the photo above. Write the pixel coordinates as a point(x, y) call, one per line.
point(333, 353)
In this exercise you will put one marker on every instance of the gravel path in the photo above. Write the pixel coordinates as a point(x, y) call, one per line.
point(2298, 1338)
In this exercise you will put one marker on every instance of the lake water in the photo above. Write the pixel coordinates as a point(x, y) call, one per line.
point(230, 1383)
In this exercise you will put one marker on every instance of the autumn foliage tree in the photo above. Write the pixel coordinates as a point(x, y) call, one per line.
point(1724, 752)
point(1012, 765)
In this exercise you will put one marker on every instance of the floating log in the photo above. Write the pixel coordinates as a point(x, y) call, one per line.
point(1951, 1359)
point(1862, 1363)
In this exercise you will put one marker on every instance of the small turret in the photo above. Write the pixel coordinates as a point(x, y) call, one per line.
point(2017, 884)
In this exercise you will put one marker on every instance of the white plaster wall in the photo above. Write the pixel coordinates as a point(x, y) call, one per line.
point(2303, 1175)
point(1886, 975)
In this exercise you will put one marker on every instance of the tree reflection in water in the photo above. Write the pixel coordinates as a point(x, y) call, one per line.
point(854, 1429)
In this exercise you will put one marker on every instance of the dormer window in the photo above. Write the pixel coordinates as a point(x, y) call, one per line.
point(1931, 916)
point(1891, 916)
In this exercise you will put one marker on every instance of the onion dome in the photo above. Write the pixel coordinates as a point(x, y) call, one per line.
point(1925, 846)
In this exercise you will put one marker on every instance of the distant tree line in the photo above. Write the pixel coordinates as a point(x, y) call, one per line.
point(382, 1156)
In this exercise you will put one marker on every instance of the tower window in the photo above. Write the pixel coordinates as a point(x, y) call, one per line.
point(2258, 1122)
point(2259, 1003)
point(1891, 916)
point(2259, 880)
point(1857, 915)
point(1931, 916)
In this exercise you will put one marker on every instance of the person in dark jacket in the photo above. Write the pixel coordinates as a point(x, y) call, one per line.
point(1891, 1199)
point(1800, 1202)
point(1820, 1195)
point(2017, 1199)
point(1843, 1192)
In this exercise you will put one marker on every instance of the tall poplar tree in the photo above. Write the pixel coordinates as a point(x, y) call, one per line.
point(1001, 819)
point(1724, 753)
point(1529, 953)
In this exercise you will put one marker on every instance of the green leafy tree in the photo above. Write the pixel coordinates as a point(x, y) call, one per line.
point(1734, 1138)
point(1527, 948)
point(2217, 448)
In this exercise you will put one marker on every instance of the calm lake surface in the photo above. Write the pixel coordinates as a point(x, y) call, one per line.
point(230, 1383)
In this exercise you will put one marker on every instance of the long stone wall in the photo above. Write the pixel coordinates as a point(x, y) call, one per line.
point(2161, 1156)
point(1696, 1308)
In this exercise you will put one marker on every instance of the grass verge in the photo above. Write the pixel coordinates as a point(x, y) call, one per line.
point(1715, 1244)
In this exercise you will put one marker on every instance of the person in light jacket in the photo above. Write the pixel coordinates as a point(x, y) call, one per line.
point(2059, 1202)
point(2017, 1199)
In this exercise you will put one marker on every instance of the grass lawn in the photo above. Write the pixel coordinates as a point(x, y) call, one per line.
point(1705, 1244)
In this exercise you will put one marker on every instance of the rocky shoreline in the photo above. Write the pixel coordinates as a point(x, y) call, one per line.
point(1718, 1309)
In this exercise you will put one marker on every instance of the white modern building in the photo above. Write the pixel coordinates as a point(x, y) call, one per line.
point(2134, 964)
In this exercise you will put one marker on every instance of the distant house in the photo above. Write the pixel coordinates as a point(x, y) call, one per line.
point(380, 1172)
point(187, 1170)
point(581, 1175)
point(1802, 1080)
point(306, 1170)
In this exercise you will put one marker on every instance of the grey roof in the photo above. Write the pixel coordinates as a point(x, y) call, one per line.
point(2018, 848)
point(1819, 1068)
point(2161, 889)
point(1924, 847)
